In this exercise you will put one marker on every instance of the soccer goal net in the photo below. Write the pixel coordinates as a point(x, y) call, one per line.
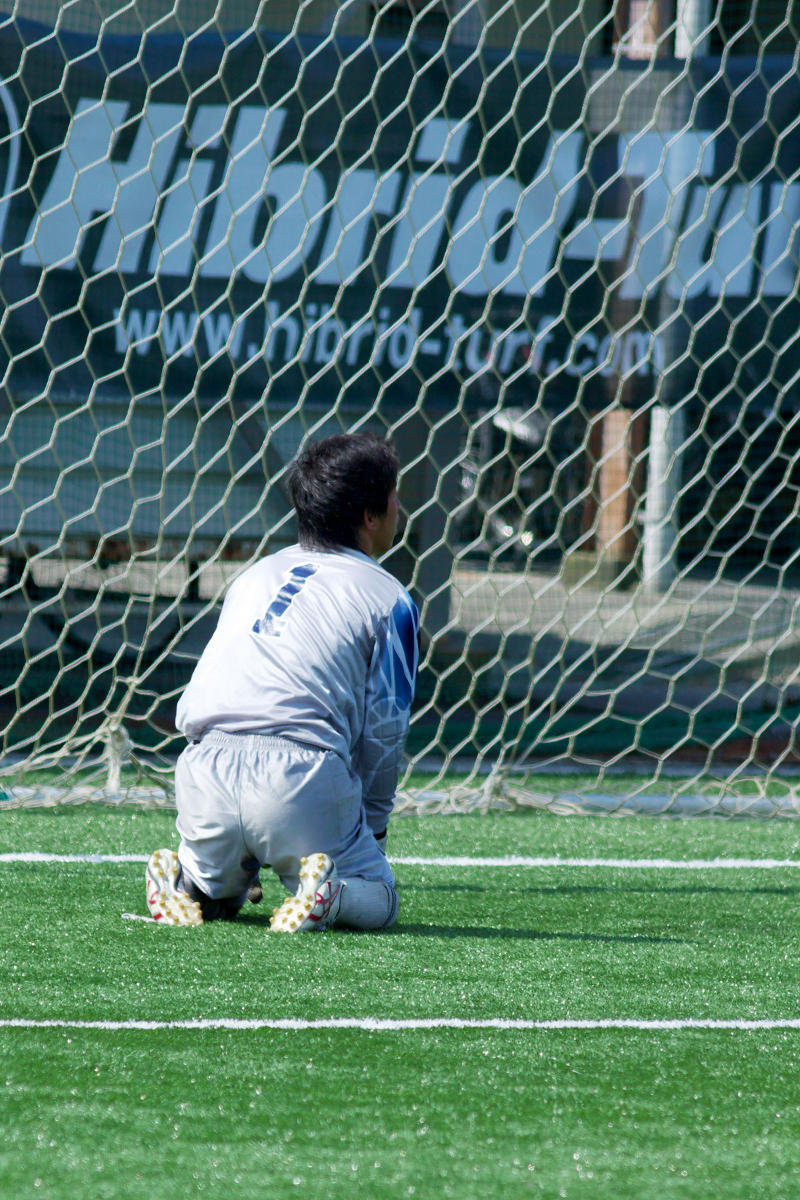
point(550, 249)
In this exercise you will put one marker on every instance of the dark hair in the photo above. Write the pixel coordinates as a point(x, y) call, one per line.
point(334, 481)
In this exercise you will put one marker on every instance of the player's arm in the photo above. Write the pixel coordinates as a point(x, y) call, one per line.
point(389, 694)
point(378, 761)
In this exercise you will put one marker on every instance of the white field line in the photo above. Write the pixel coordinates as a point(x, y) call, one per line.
point(507, 861)
point(633, 864)
point(400, 1025)
point(36, 856)
point(376, 1025)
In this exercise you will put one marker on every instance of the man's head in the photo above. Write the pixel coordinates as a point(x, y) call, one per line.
point(344, 491)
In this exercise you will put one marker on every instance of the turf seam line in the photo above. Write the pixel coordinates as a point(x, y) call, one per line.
point(660, 864)
point(391, 1025)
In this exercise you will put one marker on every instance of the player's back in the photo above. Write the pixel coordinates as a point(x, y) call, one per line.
point(293, 648)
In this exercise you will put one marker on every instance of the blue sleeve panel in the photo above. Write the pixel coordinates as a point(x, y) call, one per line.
point(390, 693)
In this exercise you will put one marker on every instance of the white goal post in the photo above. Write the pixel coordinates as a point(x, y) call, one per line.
point(551, 250)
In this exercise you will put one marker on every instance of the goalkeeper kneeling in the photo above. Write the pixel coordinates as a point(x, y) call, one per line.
point(297, 714)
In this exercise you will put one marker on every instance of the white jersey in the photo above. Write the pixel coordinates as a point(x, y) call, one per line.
point(319, 647)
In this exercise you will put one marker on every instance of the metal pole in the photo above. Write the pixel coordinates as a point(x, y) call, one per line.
point(667, 424)
point(692, 28)
point(667, 429)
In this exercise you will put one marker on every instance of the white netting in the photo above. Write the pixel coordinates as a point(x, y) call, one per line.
point(551, 249)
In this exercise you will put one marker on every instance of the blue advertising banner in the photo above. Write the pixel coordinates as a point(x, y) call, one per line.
point(285, 219)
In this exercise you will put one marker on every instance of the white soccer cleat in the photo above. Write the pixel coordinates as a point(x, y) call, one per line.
point(316, 902)
point(166, 901)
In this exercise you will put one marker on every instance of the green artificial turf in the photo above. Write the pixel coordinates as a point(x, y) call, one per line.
point(607, 1113)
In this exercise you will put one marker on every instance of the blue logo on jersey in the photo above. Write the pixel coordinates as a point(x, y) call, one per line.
point(298, 576)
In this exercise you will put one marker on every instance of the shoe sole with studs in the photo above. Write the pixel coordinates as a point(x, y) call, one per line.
point(314, 906)
point(166, 902)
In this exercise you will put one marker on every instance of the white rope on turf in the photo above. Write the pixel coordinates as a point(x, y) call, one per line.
point(625, 864)
point(467, 861)
point(400, 1025)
